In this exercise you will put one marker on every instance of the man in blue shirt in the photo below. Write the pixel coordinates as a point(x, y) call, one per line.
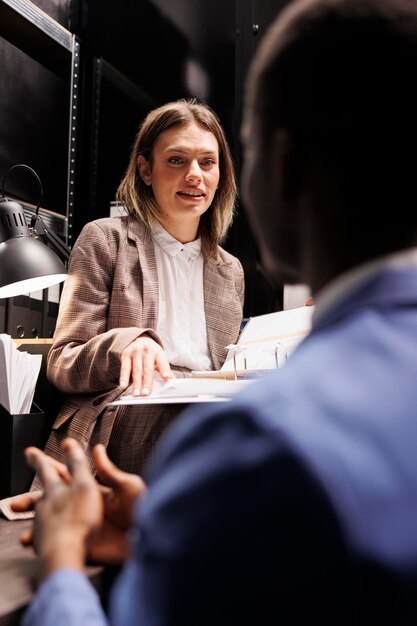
point(296, 502)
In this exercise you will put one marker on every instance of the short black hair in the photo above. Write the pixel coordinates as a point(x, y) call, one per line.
point(339, 75)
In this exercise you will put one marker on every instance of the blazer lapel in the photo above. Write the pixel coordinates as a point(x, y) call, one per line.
point(145, 261)
point(222, 306)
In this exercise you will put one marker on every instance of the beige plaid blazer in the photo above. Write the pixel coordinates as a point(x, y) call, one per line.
point(109, 299)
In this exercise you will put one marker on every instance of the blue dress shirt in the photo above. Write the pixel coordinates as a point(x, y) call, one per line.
point(296, 502)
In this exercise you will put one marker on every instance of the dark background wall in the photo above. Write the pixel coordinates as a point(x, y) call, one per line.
point(134, 55)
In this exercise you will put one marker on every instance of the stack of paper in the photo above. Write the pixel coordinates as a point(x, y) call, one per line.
point(185, 390)
point(266, 342)
point(19, 373)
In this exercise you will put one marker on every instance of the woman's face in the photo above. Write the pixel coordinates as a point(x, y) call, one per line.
point(184, 175)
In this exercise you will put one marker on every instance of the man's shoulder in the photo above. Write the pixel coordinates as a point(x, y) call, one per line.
point(222, 473)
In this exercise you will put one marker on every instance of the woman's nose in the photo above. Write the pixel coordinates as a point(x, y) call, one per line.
point(194, 172)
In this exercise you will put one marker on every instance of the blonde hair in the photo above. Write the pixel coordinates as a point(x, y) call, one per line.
point(138, 198)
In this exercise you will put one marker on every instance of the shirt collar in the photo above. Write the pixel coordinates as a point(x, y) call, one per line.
point(341, 287)
point(172, 246)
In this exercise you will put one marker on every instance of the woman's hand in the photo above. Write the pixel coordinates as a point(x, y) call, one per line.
point(139, 361)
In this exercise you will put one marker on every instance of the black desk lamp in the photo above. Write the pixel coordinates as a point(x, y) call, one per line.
point(29, 258)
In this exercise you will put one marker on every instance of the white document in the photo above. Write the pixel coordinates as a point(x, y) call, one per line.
point(186, 390)
point(28, 387)
point(4, 373)
point(19, 373)
point(295, 296)
point(266, 342)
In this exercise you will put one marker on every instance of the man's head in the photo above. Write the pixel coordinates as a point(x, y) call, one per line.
point(330, 134)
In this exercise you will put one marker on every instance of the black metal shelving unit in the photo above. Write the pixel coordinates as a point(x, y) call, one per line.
point(34, 32)
point(37, 35)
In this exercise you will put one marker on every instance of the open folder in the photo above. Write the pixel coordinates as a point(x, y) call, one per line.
point(266, 342)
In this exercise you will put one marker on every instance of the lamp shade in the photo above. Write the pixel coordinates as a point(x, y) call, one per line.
point(26, 263)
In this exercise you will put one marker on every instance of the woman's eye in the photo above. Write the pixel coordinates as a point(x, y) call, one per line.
point(208, 162)
point(175, 160)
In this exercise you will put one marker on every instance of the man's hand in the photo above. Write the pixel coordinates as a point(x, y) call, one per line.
point(119, 490)
point(68, 513)
point(139, 361)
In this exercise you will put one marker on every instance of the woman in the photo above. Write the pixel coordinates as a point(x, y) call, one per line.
point(151, 291)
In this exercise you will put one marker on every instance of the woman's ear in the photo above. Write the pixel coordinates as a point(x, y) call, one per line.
point(144, 169)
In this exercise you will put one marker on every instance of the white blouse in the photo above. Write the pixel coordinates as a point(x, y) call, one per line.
point(181, 320)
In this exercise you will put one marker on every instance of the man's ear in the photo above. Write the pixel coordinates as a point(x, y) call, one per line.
point(145, 170)
point(287, 160)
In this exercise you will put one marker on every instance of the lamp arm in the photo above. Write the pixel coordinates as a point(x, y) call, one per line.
point(38, 230)
point(32, 171)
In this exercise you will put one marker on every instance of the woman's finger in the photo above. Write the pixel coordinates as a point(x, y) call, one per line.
point(162, 365)
point(148, 369)
point(137, 376)
point(125, 369)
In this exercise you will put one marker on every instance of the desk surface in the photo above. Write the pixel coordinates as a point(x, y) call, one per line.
point(19, 568)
